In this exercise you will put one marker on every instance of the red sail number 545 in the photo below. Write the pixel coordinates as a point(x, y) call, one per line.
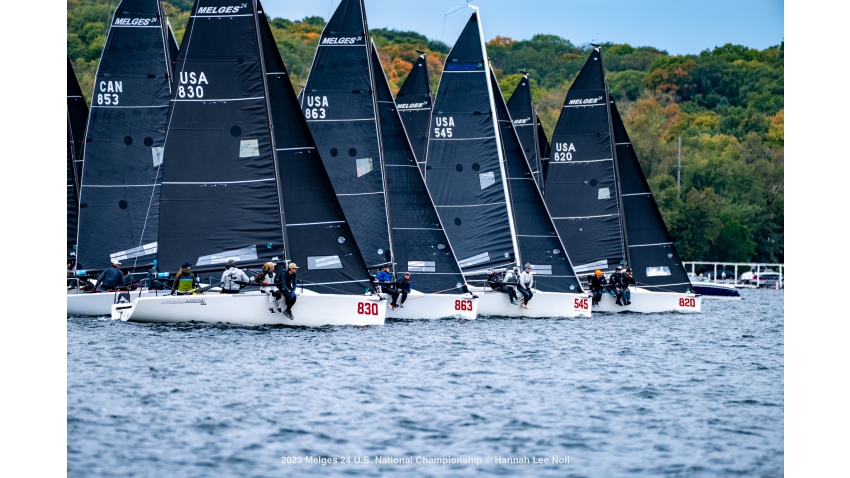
point(580, 303)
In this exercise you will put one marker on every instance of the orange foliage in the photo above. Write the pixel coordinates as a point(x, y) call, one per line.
point(501, 41)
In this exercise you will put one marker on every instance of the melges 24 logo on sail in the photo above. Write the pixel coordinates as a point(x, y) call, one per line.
point(220, 10)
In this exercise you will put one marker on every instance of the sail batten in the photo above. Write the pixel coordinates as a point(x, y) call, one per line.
point(124, 147)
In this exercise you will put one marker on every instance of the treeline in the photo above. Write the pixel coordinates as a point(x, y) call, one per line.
point(726, 105)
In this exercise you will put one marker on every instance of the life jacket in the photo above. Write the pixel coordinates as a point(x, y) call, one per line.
point(186, 282)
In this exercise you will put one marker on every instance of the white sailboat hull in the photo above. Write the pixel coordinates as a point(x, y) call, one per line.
point(435, 306)
point(99, 303)
point(651, 302)
point(542, 304)
point(311, 310)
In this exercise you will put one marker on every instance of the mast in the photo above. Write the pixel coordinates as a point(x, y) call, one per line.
point(271, 128)
point(498, 138)
point(608, 102)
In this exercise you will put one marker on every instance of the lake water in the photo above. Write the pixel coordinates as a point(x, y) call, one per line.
point(614, 395)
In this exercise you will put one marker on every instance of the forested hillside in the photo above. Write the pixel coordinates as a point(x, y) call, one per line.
point(726, 105)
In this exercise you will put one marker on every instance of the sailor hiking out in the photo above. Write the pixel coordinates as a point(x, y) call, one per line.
point(385, 281)
point(404, 288)
point(499, 285)
point(627, 280)
point(111, 278)
point(615, 285)
point(526, 281)
point(231, 278)
point(286, 284)
point(596, 282)
point(266, 277)
point(185, 281)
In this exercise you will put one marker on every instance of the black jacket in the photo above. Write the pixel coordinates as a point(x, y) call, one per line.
point(494, 282)
point(627, 281)
point(596, 283)
point(286, 281)
point(616, 280)
point(111, 278)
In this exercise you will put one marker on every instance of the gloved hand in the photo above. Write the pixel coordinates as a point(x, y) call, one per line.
point(292, 294)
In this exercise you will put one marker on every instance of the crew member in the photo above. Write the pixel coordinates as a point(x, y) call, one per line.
point(385, 281)
point(286, 283)
point(152, 283)
point(615, 285)
point(404, 288)
point(526, 280)
point(111, 278)
point(498, 285)
point(185, 280)
point(266, 277)
point(231, 278)
point(628, 280)
point(596, 282)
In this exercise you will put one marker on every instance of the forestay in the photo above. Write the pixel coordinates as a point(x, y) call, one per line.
point(119, 196)
point(318, 237)
point(339, 107)
point(580, 184)
point(414, 102)
point(463, 169)
point(420, 245)
point(538, 241)
point(655, 264)
point(78, 114)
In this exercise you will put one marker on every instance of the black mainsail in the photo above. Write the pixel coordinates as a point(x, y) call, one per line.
point(652, 255)
point(219, 191)
point(524, 115)
point(126, 129)
point(414, 102)
point(78, 114)
point(339, 106)
point(464, 168)
point(420, 245)
point(536, 236)
point(581, 182)
point(317, 234)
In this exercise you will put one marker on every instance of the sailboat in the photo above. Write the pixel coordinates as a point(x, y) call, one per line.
point(414, 102)
point(484, 191)
point(349, 107)
point(245, 182)
point(528, 127)
point(122, 167)
point(78, 114)
point(602, 205)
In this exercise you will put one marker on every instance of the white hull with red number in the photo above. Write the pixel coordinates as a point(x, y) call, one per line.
point(99, 303)
point(310, 310)
point(542, 304)
point(651, 302)
point(434, 306)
